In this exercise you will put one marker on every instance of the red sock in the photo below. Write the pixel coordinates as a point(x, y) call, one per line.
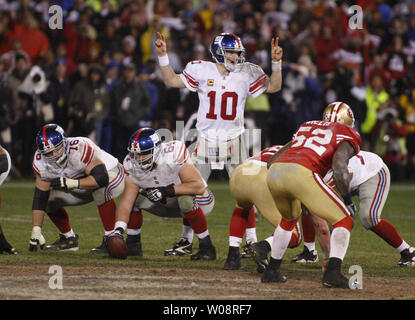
point(251, 218)
point(239, 222)
point(197, 220)
point(387, 232)
point(308, 228)
point(136, 220)
point(61, 220)
point(107, 214)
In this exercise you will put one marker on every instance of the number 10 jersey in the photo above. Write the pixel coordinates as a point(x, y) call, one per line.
point(222, 98)
point(315, 143)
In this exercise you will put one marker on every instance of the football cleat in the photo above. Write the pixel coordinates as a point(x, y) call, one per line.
point(407, 258)
point(206, 250)
point(306, 256)
point(134, 245)
point(102, 248)
point(64, 244)
point(259, 252)
point(233, 261)
point(273, 275)
point(5, 246)
point(334, 279)
point(181, 248)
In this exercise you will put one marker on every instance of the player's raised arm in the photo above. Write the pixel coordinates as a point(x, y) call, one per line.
point(275, 80)
point(170, 78)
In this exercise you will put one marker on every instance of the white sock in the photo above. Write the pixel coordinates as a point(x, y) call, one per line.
point(280, 242)
point(402, 246)
point(269, 240)
point(203, 234)
point(235, 241)
point(69, 234)
point(187, 233)
point(121, 224)
point(339, 242)
point(251, 235)
point(311, 246)
point(133, 232)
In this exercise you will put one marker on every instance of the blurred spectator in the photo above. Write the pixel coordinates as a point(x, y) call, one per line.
point(58, 92)
point(9, 57)
point(326, 43)
point(391, 143)
point(92, 93)
point(302, 91)
point(145, 77)
point(376, 97)
point(131, 104)
point(407, 102)
point(396, 60)
point(6, 109)
point(33, 40)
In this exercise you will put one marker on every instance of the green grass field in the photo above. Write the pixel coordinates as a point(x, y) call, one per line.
point(376, 258)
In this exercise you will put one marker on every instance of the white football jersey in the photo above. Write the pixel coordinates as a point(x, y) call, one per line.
point(80, 151)
point(363, 166)
point(172, 157)
point(222, 98)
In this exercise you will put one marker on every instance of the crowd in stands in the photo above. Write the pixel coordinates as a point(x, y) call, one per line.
point(98, 76)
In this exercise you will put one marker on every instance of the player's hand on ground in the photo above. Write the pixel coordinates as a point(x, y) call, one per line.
point(160, 44)
point(276, 50)
point(64, 183)
point(159, 193)
point(36, 239)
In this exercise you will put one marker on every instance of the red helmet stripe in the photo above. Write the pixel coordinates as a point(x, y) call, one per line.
point(44, 136)
point(136, 138)
point(237, 39)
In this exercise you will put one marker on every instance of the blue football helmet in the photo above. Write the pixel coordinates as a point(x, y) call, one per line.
point(228, 42)
point(145, 142)
point(52, 142)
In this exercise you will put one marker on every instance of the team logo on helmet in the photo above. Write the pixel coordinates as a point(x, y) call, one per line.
point(51, 142)
point(228, 42)
point(339, 112)
point(144, 148)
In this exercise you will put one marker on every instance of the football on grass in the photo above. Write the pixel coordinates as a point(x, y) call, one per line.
point(117, 247)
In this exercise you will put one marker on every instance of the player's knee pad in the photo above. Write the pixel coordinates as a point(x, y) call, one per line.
point(186, 203)
point(366, 221)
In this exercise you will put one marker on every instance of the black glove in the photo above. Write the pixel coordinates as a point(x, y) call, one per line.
point(350, 205)
point(5, 246)
point(159, 193)
point(64, 183)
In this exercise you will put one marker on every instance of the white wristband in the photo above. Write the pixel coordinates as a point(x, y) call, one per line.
point(276, 66)
point(164, 60)
point(72, 184)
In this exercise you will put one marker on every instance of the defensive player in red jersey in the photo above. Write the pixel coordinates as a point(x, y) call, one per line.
point(295, 177)
point(248, 187)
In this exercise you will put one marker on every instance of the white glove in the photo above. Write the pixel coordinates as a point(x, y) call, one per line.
point(36, 239)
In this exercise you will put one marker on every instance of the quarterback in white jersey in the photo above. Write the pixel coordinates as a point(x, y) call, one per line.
point(72, 171)
point(163, 181)
point(370, 181)
point(5, 165)
point(223, 87)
